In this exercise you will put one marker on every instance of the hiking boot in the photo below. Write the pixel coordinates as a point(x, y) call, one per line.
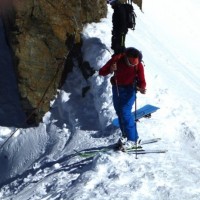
point(122, 141)
point(131, 145)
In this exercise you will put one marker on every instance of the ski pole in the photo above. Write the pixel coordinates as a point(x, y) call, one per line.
point(116, 85)
point(135, 119)
point(135, 85)
point(120, 110)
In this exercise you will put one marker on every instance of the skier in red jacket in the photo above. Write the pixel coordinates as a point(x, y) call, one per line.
point(128, 78)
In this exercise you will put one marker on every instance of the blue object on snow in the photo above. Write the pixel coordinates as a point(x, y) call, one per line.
point(144, 111)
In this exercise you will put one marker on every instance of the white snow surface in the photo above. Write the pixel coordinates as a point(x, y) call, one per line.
point(40, 163)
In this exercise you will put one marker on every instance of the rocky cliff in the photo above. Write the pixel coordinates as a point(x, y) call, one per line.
point(139, 3)
point(41, 34)
point(44, 35)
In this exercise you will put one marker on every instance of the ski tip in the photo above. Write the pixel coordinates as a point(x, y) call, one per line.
point(157, 151)
point(161, 151)
point(157, 139)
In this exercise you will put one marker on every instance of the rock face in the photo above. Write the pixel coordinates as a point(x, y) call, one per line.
point(139, 3)
point(41, 33)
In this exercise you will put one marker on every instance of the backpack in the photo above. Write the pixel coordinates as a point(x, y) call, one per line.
point(130, 16)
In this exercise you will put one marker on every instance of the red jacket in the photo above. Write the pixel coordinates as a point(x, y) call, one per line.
point(125, 74)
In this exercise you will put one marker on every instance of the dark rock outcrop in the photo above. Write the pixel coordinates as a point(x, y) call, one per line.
point(139, 3)
point(41, 33)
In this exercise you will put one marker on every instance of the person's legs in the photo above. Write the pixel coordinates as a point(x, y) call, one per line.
point(123, 105)
point(117, 107)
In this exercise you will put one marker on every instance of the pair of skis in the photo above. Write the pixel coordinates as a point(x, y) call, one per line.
point(92, 153)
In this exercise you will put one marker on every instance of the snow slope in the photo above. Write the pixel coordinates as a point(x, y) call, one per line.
point(40, 163)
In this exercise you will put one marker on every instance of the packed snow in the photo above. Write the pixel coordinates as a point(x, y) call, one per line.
point(41, 162)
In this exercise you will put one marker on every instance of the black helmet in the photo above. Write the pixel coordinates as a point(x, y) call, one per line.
point(133, 52)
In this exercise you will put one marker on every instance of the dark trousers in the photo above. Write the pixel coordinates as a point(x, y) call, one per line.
point(118, 43)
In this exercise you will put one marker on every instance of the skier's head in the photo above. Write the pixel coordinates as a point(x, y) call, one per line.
point(132, 52)
point(132, 56)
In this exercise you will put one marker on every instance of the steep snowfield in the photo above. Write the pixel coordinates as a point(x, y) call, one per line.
point(40, 163)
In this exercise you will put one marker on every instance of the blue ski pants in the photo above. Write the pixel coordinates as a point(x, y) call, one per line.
point(123, 100)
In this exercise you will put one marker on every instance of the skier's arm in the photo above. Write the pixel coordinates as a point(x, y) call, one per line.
point(110, 66)
point(105, 70)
